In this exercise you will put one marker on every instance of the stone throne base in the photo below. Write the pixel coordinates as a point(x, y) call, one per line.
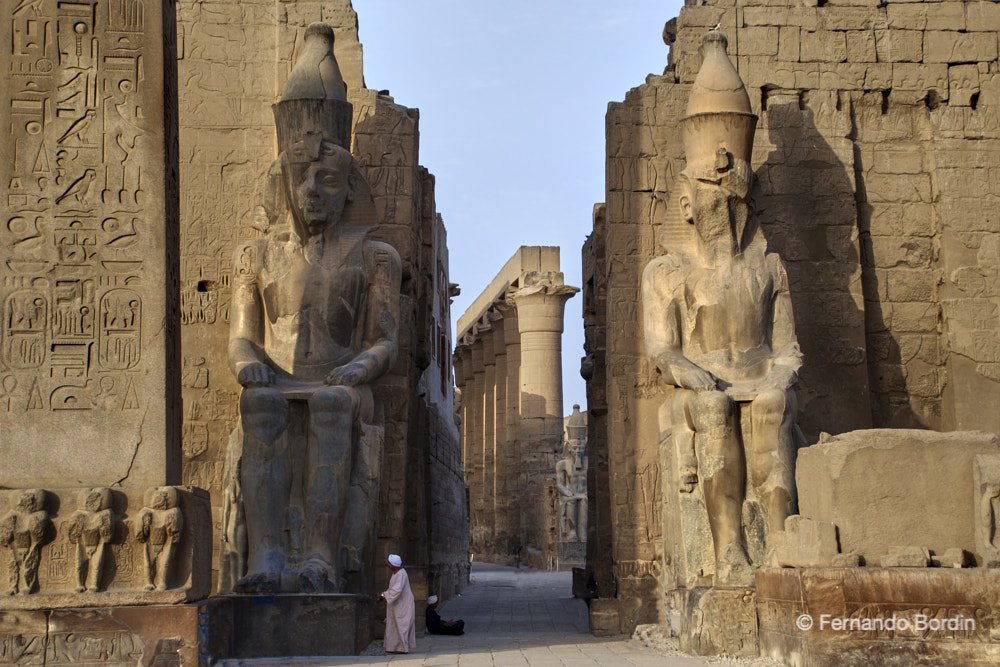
point(786, 597)
point(274, 626)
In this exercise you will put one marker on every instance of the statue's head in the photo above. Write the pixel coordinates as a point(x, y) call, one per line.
point(161, 497)
point(321, 180)
point(718, 130)
point(95, 500)
point(30, 500)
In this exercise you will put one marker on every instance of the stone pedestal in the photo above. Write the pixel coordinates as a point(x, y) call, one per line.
point(718, 620)
point(899, 616)
point(272, 626)
point(572, 553)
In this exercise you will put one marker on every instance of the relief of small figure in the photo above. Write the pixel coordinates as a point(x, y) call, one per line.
point(22, 531)
point(159, 526)
point(90, 528)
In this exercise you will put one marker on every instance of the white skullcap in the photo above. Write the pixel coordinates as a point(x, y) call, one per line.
point(395, 560)
point(432, 599)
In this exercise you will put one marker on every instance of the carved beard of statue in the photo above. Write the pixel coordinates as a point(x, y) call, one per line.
point(720, 217)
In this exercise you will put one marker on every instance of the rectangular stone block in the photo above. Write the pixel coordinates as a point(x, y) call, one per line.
point(855, 617)
point(758, 41)
point(275, 626)
point(958, 47)
point(894, 46)
point(928, 495)
point(823, 46)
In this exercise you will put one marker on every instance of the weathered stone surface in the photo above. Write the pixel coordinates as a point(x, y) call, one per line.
point(986, 504)
point(806, 543)
point(883, 488)
point(796, 610)
point(906, 557)
point(299, 625)
point(718, 620)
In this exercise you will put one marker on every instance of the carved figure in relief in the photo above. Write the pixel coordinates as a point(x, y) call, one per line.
point(571, 480)
point(158, 527)
point(23, 531)
point(314, 323)
point(719, 327)
point(90, 528)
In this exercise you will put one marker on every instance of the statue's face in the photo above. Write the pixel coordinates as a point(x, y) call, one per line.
point(324, 189)
point(716, 212)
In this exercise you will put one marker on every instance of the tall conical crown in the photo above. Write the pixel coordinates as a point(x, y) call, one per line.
point(315, 96)
point(576, 425)
point(719, 126)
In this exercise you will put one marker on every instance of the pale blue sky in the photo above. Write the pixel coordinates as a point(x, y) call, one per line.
point(512, 98)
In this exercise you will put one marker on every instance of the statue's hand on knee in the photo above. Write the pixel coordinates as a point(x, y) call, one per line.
point(689, 376)
point(348, 375)
point(256, 374)
point(688, 480)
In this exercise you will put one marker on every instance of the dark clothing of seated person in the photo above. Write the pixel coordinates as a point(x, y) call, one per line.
point(436, 626)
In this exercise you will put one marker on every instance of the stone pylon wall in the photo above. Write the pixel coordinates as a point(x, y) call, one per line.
point(876, 150)
point(234, 60)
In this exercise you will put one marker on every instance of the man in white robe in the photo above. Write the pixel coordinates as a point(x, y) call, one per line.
point(400, 631)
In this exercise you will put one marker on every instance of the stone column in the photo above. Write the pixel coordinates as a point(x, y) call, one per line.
point(474, 466)
point(487, 336)
point(504, 461)
point(465, 353)
point(512, 341)
point(540, 308)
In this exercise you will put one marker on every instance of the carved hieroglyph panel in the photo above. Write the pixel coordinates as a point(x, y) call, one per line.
point(85, 248)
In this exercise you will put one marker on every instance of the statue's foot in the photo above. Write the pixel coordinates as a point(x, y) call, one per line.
point(734, 568)
point(315, 577)
point(11, 591)
point(148, 587)
point(92, 589)
point(80, 589)
point(259, 582)
point(161, 587)
point(264, 574)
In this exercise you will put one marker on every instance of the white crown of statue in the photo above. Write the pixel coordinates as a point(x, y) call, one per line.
point(314, 101)
point(719, 126)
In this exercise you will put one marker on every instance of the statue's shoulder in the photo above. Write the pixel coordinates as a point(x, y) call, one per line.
point(248, 258)
point(670, 269)
point(382, 262)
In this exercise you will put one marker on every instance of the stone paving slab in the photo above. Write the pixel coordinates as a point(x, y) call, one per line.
point(514, 618)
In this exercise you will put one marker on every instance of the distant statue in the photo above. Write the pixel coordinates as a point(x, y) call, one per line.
point(314, 323)
point(159, 526)
point(90, 528)
point(719, 327)
point(23, 531)
point(571, 481)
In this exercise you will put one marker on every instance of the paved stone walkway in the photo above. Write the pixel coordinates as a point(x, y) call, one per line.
point(513, 617)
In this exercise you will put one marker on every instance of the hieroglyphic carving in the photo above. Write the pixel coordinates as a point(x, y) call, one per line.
point(73, 235)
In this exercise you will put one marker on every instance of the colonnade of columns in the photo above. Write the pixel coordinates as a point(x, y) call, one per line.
point(508, 365)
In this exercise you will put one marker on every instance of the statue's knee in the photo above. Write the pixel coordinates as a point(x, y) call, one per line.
point(336, 400)
point(770, 405)
point(711, 409)
point(262, 400)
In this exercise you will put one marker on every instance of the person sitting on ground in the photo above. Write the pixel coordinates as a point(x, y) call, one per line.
point(436, 626)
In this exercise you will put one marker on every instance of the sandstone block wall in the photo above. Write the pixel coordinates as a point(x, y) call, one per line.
point(876, 147)
point(234, 59)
